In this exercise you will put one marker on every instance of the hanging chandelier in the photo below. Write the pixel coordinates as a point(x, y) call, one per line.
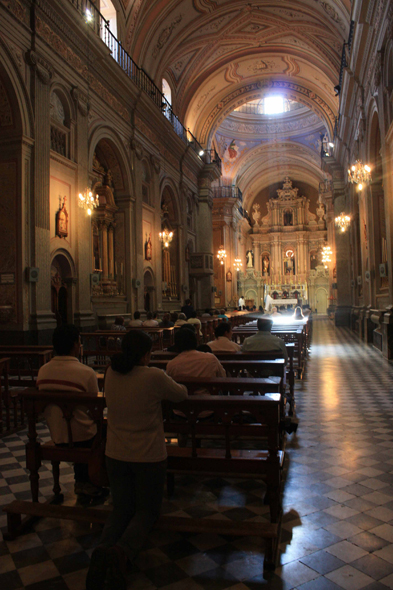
point(166, 237)
point(221, 255)
point(326, 255)
point(238, 264)
point(343, 221)
point(359, 174)
point(88, 201)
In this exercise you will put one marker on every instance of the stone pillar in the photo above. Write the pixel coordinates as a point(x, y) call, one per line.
point(111, 257)
point(42, 320)
point(257, 256)
point(104, 234)
point(343, 269)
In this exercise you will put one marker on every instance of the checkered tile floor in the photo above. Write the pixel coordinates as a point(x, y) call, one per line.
point(338, 500)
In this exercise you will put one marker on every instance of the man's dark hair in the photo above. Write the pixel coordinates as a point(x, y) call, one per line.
point(149, 315)
point(222, 329)
point(137, 315)
point(188, 301)
point(264, 325)
point(187, 326)
point(174, 316)
point(119, 321)
point(185, 340)
point(207, 310)
point(64, 338)
point(194, 314)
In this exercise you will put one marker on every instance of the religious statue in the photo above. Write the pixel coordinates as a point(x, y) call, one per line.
point(62, 219)
point(229, 276)
point(265, 265)
point(289, 263)
point(148, 248)
point(250, 259)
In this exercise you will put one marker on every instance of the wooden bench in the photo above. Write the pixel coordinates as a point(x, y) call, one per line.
point(250, 356)
point(227, 422)
point(25, 362)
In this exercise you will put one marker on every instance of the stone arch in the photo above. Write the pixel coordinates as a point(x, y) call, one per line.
point(63, 277)
point(149, 288)
point(65, 98)
point(10, 73)
point(113, 156)
point(170, 197)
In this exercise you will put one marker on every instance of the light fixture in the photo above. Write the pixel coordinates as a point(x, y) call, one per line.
point(330, 144)
point(88, 15)
point(166, 237)
point(238, 264)
point(88, 201)
point(343, 221)
point(359, 174)
point(221, 255)
point(326, 255)
point(201, 153)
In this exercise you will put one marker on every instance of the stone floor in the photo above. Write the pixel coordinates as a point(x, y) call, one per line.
point(338, 500)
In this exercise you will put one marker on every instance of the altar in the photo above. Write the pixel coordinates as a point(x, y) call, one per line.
point(278, 302)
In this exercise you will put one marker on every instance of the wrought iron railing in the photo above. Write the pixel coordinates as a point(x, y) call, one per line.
point(346, 48)
point(100, 26)
point(226, 192)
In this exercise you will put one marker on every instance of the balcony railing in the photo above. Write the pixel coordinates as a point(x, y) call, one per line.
point(227, 192)
point(100, 26)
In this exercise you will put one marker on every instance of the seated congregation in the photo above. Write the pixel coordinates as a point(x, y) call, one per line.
point(139, 431)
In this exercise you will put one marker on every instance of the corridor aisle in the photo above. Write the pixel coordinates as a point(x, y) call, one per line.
point(338, 501)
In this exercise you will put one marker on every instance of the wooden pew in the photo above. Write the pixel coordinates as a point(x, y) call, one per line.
point(250, 356)
point(227, 422)
point(25, 362)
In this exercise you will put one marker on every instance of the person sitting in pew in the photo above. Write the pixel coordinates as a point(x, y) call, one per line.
point(264, 340)
point(195, 322)
point(64, 372)
point(136, 322)
point(118, 325)
point(149, 321)
point(207, 313)
point(181, 320)
point(191, 363)
point(166, 321)
point(135, 457)
point(223, 341)
point(222, 315)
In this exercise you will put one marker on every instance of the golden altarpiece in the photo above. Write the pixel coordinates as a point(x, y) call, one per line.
point(284, 249)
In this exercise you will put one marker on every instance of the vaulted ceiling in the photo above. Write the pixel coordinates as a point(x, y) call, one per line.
point(220, 54)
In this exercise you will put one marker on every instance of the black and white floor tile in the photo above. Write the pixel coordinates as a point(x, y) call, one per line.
point(338, 498)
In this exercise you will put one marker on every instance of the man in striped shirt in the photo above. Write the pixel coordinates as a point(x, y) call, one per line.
point(65, 373)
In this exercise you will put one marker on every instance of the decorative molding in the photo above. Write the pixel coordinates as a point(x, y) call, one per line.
point(80, 100)
point(43, 69)
point(165, 35)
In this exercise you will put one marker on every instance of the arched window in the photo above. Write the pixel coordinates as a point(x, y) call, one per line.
point(59, 125)
point(167, 92)
point(109, 13)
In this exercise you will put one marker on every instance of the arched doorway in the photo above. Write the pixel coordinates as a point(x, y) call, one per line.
point(321, 301)
point(61, 289)
point(148, 290)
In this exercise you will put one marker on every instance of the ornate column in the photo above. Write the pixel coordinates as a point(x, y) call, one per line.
point(104, 236)
point(343, 268)
point(111, 256)
point(257, 256)
point(41, 317)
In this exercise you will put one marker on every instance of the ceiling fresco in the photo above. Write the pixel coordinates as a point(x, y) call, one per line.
point(220, 54)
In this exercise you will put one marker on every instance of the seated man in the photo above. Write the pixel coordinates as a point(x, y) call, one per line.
point(223, 341)
point(65, 373)
point(149, 321)
point(207, 313)
point(191, 363)
point(182, 319)
point(187, 309)
point(136, 322)
point(222, 315)
point(196, 322)
point(264, 340)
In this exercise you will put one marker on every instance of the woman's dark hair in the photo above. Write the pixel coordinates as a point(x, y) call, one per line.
point(174, 316)
point(135, 345)
point(204, 348)
point(119, 321)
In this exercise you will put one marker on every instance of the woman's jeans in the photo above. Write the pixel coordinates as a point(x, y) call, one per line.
point(137, 490)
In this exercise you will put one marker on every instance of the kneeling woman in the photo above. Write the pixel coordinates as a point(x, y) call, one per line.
point(135, 457)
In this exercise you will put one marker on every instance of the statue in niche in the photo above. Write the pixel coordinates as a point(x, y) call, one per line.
point(62, 219)
point(250, 259)
point(289, 263)
point(148, 248)
point(288, 217)
point(266, 265)
point(313, 261)
point(229, 277)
